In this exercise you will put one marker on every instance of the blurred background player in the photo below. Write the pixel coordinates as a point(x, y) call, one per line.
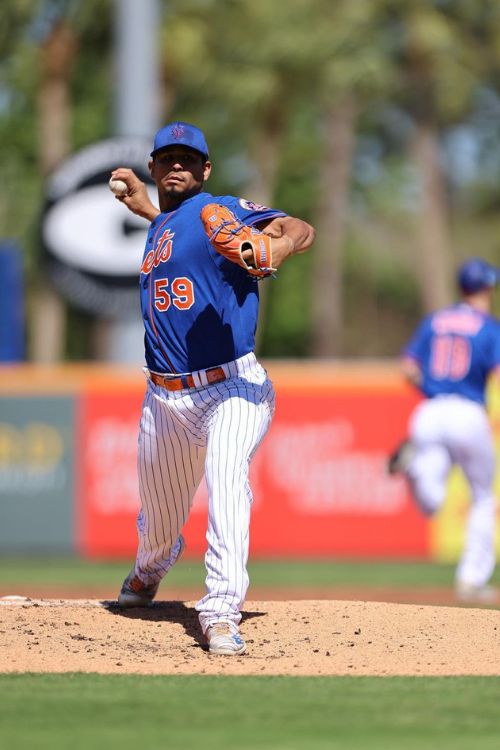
point(449, 359)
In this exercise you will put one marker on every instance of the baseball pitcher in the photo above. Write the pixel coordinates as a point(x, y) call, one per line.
point(208, 401)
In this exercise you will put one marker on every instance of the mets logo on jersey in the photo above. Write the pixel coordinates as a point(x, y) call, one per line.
point(251, 206)
point(161, 254)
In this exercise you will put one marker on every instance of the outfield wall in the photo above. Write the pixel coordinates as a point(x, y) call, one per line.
point(68, 442)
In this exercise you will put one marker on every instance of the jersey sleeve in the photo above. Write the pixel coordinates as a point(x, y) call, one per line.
point(251, 213)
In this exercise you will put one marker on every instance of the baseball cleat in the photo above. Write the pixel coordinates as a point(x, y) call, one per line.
point(399, 460)
point(470, 593)
point(224, 638)
point(135, 593)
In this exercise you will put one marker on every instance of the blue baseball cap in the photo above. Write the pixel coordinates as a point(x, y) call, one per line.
point(476, 274)
point(180, 134)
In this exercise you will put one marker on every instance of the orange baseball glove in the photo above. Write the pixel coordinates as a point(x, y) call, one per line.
point(244, 245)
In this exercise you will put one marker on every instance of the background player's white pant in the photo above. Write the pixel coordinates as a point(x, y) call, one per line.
point(214, 429)
point(451, 430)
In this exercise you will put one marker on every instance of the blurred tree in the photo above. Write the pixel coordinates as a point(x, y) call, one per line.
point(353, 115)
point(54, 51)
point(57, 55)
point(443, 51)
point(352, 69)
point(18, 142)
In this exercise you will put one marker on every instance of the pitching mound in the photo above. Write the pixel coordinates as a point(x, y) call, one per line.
point(283, 637)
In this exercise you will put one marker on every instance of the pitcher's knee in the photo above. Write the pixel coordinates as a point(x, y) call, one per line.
point(428, 497)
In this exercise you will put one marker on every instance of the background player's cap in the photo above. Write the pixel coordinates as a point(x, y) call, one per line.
point(180, 134)
point(476, 274)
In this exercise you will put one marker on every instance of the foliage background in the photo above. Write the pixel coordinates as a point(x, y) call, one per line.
point(375, 120)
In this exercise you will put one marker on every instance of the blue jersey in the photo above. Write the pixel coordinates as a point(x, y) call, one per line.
point(199, 309)
point(456, 348)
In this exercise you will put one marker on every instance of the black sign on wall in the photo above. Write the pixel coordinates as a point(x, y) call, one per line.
point(93, 245)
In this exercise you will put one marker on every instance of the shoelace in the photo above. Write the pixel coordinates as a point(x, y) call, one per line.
point(221, 628)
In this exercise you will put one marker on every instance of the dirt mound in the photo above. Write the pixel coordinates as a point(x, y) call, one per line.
point(308, 637)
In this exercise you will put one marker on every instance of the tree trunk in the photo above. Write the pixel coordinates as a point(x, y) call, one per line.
point(58, 53)
point(434, 262)
point(265, 153)
point(48, 321)
point(339, 120)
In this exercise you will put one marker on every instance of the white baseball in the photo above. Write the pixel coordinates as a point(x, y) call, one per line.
point(118, 187)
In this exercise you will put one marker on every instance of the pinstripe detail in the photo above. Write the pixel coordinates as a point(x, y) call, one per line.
point(213, 428)
point(239, 423)
point(166, 486)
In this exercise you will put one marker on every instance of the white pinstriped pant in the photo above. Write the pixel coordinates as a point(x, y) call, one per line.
point(449, 430)
point(214, 429)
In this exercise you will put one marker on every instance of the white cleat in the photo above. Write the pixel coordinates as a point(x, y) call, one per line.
point(472, 594)
point(224, 638)
point(135, 593)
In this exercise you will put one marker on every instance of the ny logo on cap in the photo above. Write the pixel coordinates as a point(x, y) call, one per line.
point(177, 131)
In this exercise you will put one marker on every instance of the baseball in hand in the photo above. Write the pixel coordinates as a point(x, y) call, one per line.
point(118, 187)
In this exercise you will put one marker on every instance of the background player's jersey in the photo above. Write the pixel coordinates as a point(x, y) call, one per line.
point(199, 309)
point(456, 348)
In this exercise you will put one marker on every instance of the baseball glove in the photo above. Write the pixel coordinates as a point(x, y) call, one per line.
point(244, 245)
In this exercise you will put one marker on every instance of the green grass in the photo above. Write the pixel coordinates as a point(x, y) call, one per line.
point(272, 573)
point(80, 711)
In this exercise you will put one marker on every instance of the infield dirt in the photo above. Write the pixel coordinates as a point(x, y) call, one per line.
point(296, 637)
